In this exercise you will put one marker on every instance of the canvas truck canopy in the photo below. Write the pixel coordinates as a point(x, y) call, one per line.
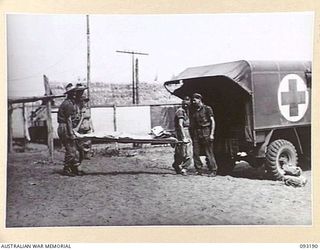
point(238, 71)
point(275, 93)
point(226, 88)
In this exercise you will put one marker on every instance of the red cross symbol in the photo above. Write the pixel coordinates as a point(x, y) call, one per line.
point(293, 97)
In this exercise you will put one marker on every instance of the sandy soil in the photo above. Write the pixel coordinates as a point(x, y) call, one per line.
point(139, 187)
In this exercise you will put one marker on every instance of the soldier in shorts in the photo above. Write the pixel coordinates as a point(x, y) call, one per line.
point(67, 113)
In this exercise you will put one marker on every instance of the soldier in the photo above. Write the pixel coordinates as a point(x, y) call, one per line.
point(202, 134)
point(67, 114)
point(183, 151)
point(84, 125)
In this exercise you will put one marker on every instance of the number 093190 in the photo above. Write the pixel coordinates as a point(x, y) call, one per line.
point(308, 246)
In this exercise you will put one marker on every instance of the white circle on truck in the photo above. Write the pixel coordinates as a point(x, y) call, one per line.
point(293, 97)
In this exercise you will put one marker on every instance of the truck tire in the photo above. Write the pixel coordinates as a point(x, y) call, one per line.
point(280, 151)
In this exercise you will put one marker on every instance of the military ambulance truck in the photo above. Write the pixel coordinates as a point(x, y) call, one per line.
point(262, 110)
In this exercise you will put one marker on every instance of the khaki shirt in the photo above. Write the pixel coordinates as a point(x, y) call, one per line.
point(201, 118)
point(182, 114)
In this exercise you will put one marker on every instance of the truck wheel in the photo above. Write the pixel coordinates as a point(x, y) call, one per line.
point(280, 152)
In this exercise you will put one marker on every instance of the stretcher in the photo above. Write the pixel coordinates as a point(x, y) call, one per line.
point(126, 138)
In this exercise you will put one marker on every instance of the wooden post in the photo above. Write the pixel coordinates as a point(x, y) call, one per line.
point(10, 127)
point(114, 118)
point(24, 140)
point(49, 119)
point(115, 122)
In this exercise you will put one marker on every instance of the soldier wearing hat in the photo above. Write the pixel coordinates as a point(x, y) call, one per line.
point(67, 115)
point(183, 151)
point(202, 134)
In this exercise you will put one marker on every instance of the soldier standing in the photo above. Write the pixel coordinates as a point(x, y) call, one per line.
point(84, 125)
point(183, 151)
point(67, 114)
point(202, 134)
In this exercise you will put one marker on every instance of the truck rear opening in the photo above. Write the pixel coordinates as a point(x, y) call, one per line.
point(230, 104)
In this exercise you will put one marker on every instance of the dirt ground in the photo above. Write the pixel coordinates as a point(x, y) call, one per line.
point(139, 187)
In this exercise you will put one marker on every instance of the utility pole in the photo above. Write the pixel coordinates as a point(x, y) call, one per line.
point(133, 53)
point(88, 59)
point(137, 81)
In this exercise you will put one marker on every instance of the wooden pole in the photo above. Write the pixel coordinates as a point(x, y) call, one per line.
point(115, 118)
point(33, 99)
point(49, 119)
point(133, 83)
point(24, 140)
point(137, 81)
point(115, 122)
point(88, 60)
point(10, 127)
point(133, 72)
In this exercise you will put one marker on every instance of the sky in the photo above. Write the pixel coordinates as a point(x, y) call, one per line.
point(56, 45)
